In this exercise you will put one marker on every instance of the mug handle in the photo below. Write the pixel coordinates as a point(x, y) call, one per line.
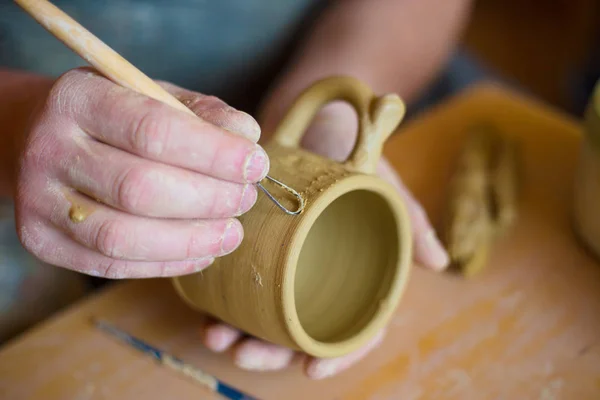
point(378, 117)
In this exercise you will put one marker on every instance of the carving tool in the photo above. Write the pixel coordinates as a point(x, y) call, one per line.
point(116, 68)
point(176, 364)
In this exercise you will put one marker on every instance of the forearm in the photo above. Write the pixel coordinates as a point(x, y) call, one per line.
point(392, 45)
point(19, 93)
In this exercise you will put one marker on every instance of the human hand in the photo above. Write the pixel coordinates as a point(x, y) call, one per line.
point(114, 184)
point(329, 135)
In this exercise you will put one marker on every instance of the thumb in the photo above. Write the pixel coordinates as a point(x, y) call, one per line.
point(428, 249)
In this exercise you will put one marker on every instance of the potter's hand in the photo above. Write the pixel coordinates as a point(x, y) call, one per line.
point(329, 135)
point(115, 184)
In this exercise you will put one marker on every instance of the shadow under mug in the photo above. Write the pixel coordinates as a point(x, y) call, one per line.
point(327, 280)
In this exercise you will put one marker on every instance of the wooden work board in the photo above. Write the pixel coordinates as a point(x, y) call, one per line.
point(527, 328)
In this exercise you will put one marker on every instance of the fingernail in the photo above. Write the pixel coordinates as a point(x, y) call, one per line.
point(439, 256)
point(252, 363)
point(325, 369)
point(256, 165)
point(249, 196)
point(219, 345)
point(231, 238)
point(261, 361)
point(219, 339)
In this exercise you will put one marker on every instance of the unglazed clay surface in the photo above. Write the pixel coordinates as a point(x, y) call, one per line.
point(483, 197)
point(327, 280)
point(346, 266)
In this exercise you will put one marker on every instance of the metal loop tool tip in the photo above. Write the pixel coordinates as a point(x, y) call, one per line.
point(288, 189)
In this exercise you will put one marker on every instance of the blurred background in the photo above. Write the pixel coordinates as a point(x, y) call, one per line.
point(545, 47)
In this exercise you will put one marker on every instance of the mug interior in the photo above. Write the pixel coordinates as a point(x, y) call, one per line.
point(346, 266)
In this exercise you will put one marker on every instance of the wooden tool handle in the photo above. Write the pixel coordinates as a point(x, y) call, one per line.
point(96, 52)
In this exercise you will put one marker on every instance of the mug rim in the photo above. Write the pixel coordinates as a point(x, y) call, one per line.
point(399, 280)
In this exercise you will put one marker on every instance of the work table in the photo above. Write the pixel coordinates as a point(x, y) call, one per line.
point(526, 328)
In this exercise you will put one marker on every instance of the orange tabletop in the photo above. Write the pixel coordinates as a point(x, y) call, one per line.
point(527, 328)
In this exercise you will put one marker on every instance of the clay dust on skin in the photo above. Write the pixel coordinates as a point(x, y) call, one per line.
point(30, 239)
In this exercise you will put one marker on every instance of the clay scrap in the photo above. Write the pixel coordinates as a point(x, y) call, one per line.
point(483, 198)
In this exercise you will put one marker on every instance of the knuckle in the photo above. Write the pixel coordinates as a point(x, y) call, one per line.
point(31, 205)
point(149, 132)
point(111, 238)
point(200, 103)
point(51, 126)
point(65, 94)
point(214, 110)
point(133, 190)
point(45, 144)
point(38, 154)
point(213, 102)
point(30, 239)
point(46, 141)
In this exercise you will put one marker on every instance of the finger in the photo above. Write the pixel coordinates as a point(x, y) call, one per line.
point(124, 236)
point(56, 248)
point(151, 129)
point(324, 368)
point(428, 249)
point(219, 337)
point(332, 132)
point(216, 111)
point(146, 188)
point(256, 355)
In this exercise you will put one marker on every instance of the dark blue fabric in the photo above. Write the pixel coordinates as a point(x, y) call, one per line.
point(219, 47)
point(229, 48)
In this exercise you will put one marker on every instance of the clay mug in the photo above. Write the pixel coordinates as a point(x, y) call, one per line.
point(324, 281)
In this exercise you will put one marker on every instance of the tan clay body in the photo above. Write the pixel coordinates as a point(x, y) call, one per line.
point(587, 180)
point(327, 280)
